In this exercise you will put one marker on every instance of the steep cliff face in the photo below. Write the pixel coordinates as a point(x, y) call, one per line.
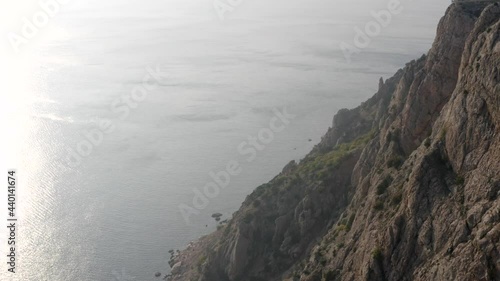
point(404, 187)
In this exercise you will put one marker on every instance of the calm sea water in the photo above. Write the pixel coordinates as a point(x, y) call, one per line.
point(116, 215)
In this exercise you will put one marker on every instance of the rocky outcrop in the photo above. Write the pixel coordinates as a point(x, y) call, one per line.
point(404, 187)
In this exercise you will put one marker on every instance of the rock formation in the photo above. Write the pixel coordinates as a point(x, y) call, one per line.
point(404, 187)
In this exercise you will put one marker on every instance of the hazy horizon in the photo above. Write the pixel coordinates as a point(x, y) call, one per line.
point(116, 212)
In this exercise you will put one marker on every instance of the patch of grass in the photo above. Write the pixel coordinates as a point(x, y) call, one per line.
point(427, 142)
point(323, 175)
point(388, 138)
point(442, 135)
point(344, 219)
point(342, 227)
point(331, 275)
point(393, 136)
point(279, 180)
point(459, 180)
point(377, 254)
point(382, 187)
point(351, 220)
point(260, 190)
point(395, 162)
point(256, 203)
point(322, 164)
point(379, 205)
point(227, 231)
point(248, 218)
point(201, 261)
point(397, 198)
point(295, 180)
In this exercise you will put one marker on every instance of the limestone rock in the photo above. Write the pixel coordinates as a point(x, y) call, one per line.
point(404, 187)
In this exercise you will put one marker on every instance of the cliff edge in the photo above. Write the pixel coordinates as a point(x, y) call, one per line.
point(404, 187)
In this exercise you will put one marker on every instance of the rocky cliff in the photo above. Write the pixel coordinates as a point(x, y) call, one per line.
point(404, 187)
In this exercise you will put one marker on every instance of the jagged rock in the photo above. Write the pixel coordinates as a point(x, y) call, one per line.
point(176, 268)
point(404, 187)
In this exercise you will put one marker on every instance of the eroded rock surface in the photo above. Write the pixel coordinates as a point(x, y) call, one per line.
point(404, 187)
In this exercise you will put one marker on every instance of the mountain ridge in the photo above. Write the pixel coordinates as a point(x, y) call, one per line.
point(403, 187)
